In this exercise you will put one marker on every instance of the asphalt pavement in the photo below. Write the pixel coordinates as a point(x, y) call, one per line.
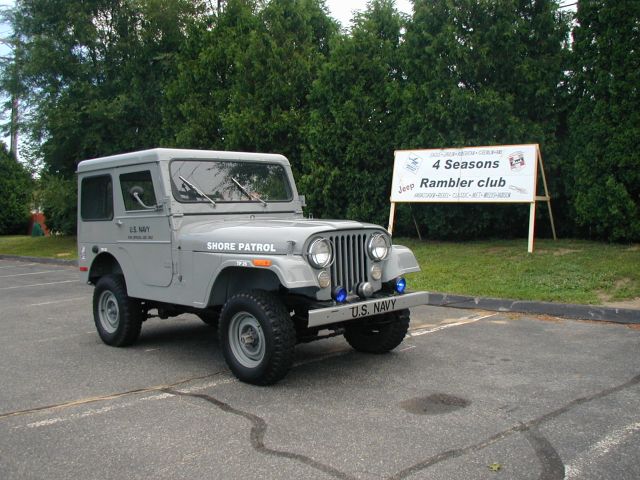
point(469, 394)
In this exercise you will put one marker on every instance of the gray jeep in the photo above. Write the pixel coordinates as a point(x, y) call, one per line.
point(222, 235)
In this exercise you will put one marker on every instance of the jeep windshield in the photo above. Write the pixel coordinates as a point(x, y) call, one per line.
point(212, 181)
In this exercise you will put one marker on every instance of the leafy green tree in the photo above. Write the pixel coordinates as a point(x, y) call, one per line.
point(355, 113)
point(207, 70)
point(16, 186)
point(92, 76)
point(483, 72)
point(605, 125)
point(94, 73)
point(268, 106)
point(58, 198)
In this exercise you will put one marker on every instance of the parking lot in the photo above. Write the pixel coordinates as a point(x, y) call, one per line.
point(469, 394)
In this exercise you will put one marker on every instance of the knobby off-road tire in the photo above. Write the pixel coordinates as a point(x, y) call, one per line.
point(257, 337)
point(380, 334)
point(118, 318)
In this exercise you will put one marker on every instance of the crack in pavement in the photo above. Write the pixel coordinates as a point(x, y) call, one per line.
point(552, 465)
point(522, 427)
point(258, 430)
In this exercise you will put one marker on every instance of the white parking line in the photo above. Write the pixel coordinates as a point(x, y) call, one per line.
point(30, 273)
point(465, 321)
point(22, 265)
point(600, 449)
point(38, 284)
point(94, 411)
point(56, 301)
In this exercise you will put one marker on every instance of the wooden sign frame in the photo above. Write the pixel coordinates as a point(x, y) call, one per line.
point(532, 205)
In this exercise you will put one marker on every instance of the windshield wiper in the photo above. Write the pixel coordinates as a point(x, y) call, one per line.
point(252, 196)
point(196, 189)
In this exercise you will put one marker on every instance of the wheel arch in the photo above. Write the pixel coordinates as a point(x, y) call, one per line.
point(232, 280)
point(104, 264)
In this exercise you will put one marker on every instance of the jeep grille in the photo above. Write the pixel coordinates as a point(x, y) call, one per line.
point(350, 259)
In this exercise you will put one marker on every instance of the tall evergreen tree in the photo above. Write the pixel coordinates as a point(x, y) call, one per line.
point(483, 72)
point(354, 119)
point(605, 125)
point(268, 106)
point(208, 69)
point(246, 74)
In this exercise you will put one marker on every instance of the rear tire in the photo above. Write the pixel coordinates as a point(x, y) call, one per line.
point(380, 334)
point(118, 318)
point(257, 337)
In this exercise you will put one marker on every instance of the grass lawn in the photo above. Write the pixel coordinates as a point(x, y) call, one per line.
point(51, 247)
point(569, 271)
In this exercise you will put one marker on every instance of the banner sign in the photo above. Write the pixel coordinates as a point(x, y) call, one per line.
point(478, 174)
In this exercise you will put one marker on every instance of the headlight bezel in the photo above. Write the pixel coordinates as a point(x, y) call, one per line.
point(373, 246)
point(312, 256)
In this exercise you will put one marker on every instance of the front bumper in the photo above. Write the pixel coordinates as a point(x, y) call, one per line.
point(366, 308)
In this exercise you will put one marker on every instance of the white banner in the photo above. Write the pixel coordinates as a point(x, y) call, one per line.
point(496, 174)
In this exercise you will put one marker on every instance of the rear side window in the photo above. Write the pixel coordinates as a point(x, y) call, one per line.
point(137, 179)
point(96, 201)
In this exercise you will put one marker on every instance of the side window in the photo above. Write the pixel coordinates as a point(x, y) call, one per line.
point(97, 198)
point(137, 179)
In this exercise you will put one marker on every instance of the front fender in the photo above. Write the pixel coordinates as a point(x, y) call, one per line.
point(400, 262)
point(292, 271)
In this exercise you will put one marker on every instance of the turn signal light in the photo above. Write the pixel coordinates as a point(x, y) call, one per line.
point(261, 262)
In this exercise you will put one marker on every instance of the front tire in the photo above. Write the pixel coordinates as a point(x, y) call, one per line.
point(257, 337)
point(118, 318)
point(380, 334)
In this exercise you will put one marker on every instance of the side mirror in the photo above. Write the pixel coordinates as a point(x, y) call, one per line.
point(303, 200)
point(136, 193)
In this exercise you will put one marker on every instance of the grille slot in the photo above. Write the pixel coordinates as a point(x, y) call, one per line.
point(350, 259)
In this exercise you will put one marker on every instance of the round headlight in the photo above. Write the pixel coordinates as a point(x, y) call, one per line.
point(320, 254)
point(379, 246)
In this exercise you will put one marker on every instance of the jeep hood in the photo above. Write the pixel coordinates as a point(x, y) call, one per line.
point(244, 235)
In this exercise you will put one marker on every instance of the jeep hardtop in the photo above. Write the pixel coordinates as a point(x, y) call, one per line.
point(222, 235)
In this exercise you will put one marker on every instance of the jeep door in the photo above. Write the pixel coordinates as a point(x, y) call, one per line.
point(143, 224)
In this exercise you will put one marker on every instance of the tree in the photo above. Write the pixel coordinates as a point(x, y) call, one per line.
point(245, 76)
point(207, 70)
point(269, 106)
point(94, 73)
point(605, 124)
point(483, 72)
point(92, 76)
point(16, 186)
point(354, 117)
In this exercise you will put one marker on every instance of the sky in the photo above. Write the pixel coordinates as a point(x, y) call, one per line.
point(342, 10)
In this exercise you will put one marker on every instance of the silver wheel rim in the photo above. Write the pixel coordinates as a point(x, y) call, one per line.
point(246, 339)
point(108, 311)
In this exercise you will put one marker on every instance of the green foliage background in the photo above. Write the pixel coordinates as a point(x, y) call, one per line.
point(99, 77)
point(15, 195)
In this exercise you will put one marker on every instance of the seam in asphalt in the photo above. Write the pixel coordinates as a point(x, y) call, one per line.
point(436, 299)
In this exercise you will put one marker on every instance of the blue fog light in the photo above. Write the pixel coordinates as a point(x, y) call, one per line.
point(339, 294)
point(401, 285)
